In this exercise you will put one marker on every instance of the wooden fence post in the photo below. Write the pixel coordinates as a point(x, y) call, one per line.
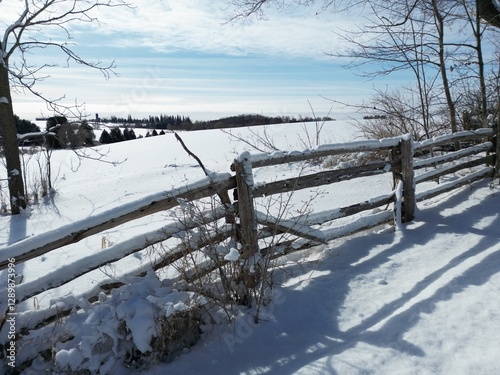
point(407, 178)
point(246, 211)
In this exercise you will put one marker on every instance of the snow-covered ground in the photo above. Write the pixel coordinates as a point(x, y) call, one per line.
point(422, 299)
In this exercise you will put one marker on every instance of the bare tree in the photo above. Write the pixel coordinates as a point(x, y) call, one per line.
point(407, 36)
point(488, 10)
point(475, 64)
point(430, 38)
point(398, 37)
point(21, 39)
point(246, 9)
point(440, 15)
point(391, 113)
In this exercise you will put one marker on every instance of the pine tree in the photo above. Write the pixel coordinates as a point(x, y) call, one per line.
point(105, 138)
point(116, 135)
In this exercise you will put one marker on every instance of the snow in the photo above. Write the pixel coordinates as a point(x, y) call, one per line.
point(25, 136)
point(138, 314)
point(49, 236)
point(399, 200)
point(421, 298)
point(352, 146)
point(448, 137)
point(4, 100)
point(291, 225)
point(244, 158)
point(233, 255)
point(464, 152)
point(485, 171)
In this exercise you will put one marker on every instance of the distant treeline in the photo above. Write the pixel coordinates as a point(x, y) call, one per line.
point(59, 133)
point(116, 135)
point(152, 122)
point(184, 123)
point(253, 120)
point(375, 117)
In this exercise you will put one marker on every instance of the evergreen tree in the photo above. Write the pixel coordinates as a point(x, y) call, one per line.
point(53, 125)
point(25, 126)
point(86, 134)
point(105, 138)
point(126, 134)
point(116, 135)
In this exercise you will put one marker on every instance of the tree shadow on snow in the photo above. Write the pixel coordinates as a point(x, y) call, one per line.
point(320, 313)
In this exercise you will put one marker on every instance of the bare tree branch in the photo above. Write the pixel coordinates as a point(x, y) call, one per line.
point(246, 9)
point(27, 32)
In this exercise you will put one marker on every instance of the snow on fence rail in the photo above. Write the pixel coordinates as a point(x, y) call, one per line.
point(401, 164)
point(252, 226)
point(35, 246)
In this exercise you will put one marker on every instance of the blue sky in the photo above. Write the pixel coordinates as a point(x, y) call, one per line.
point(184, 58)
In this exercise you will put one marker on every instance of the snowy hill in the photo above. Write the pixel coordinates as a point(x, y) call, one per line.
point(417, 300)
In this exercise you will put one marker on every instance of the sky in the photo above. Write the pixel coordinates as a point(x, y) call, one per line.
point(185, 58)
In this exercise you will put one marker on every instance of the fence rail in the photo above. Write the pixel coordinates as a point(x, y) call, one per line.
point(159, 202)
point(252, 226)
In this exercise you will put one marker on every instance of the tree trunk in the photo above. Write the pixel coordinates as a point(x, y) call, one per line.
point(489, 12)
point(439, 20)
point(477, 28)
point(8, 132)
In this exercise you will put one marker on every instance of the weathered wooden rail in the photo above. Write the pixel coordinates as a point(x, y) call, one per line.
point(303, 231)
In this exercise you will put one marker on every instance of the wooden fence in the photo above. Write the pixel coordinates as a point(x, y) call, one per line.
point(247, 224)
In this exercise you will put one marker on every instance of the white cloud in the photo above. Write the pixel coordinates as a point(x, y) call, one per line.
point(277, 66)
point(201, 25)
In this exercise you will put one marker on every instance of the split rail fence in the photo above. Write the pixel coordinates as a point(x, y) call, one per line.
point(246, 223)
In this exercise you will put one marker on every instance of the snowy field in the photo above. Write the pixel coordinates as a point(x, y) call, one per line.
point(422, 299)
